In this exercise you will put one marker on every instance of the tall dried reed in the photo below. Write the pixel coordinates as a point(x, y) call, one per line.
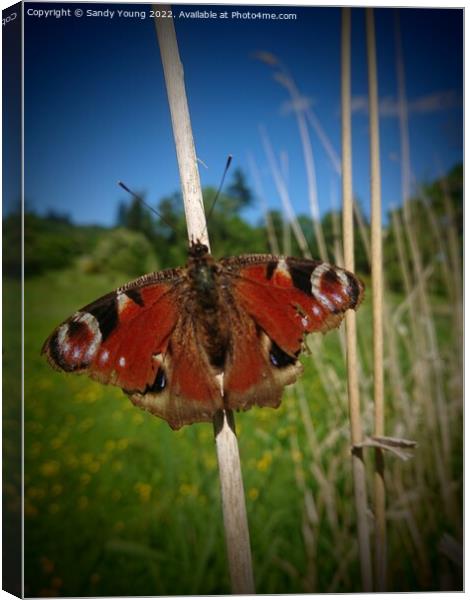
point(418, 373)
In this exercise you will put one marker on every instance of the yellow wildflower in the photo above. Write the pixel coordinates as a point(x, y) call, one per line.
point(50, 468)
point(264, 462)
point(94, 467)
point(188, 489)
point(122, 444)
point(144, 490)
point(110, 445)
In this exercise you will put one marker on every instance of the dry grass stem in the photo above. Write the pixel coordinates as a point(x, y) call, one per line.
point(233, 499)
point(297, 105)
point(335, 218)
point(284, 195)
point(452, 238)
point(363, 229)
point(377, 306)
point(360, 489)
point(182, 132)
point(430, 372)
point(272, 238)
point(324, 139)
point(310, 515)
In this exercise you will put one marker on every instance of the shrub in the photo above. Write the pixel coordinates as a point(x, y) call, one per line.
point(123, 251)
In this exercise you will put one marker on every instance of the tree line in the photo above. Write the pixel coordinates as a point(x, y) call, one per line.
point(141, 240)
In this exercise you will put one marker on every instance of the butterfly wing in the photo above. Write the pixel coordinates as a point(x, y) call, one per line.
point(151, 339)
point(285, 299)
point(141, 339)
point(249, 376)
point(186, 389)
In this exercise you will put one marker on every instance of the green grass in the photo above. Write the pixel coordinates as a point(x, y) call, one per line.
point(116, 503)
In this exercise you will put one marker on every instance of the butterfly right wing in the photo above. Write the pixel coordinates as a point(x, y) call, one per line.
point(290, 297)
point(279, 301)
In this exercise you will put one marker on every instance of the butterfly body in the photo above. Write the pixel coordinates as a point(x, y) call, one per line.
point(168, 337)
point(207, 289)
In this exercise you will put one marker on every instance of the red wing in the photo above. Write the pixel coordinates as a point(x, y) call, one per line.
point(119, 339)
point(144, 338)
point(250, 374)
point(140, 339)
point(289, 297)
point(186, 389)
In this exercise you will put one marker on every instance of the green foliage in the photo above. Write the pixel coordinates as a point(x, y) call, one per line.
point(50, 242)
point(239, 192)
point(136, 217)
point(435, 210)
point(122, 251)
point(11, 246)
point(229, 232)
point(144, 501)
point(53, 242)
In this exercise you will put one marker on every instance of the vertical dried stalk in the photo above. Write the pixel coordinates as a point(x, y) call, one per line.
point(286, 80)
point(439, 239)
point(431, 377)
point(233, 504)
point(324, 139)
point(310, 169)
point(454, 257)
point(182, 132)
point(362, 229)
point(272, 239)
point(284, 194)
point(233, 499)
point(337, 246)
point(377, 306)
point(359, 475)
point(310, 519)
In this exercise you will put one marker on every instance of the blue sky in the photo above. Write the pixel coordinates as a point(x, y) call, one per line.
point(96, 109)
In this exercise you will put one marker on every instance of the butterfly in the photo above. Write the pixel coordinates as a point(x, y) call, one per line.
point(165, 337)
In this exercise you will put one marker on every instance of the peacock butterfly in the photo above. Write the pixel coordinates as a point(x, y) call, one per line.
point(165, 337)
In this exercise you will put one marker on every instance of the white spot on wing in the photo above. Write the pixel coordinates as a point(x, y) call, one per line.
point(62, 340)
point(122, 301)
point(104, 356)
point(315, 279)
point(122, 361)
point(316, 311)
point(282, 268)
point(337, 298)
point(67, 345)
point(94, 327)
point(342, 277)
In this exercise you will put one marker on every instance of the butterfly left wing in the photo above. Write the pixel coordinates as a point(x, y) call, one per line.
point(285, 299)
point(117, 338)
point(139, 339)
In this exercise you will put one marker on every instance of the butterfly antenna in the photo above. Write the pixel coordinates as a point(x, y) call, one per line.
point(227, 166)
point(140, 199)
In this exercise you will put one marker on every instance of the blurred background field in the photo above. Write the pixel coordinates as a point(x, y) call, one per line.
point(115, 502)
